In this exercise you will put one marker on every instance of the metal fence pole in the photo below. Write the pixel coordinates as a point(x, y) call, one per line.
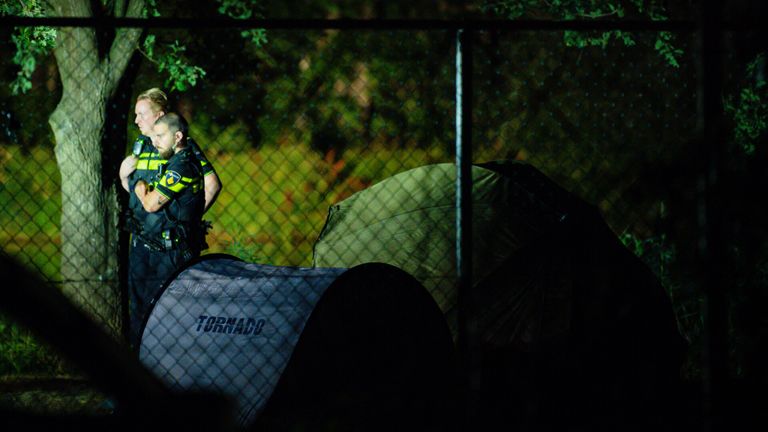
point(464, 222)
point(711, 245)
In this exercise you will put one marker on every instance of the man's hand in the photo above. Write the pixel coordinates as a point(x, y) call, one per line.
point(151, 199)
point(127, 167)
point(141, 189)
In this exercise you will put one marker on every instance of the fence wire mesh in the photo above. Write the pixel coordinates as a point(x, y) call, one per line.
point(297, 128)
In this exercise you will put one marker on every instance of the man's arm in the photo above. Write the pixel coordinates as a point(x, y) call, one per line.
point(212, 182)
point(150, 198)
point(127, 167)
point(212, 189)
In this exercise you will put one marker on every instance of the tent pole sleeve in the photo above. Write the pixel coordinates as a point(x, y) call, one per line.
point(464, 222)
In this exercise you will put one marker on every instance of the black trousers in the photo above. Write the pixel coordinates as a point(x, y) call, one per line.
point(148, 271)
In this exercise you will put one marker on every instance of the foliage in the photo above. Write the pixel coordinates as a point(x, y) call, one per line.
point(656, 252)
point(32, 43)
point(593, 9)
point(246, 250)
point(169, 57)
point(749, 108)
point(20, 352)
point(180, 74)
point(150, 9)
point(34, 194)
point(660, 255)
point(245, 9)
point(337, 92)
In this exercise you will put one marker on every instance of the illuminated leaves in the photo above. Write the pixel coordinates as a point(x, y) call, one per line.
point(567, 10)
point(32, 43)
point(181, 75)
point(748, 110)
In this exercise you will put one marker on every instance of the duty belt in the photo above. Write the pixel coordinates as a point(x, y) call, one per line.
point(163, 244)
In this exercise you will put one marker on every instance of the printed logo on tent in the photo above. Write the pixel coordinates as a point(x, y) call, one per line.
point(230, 325)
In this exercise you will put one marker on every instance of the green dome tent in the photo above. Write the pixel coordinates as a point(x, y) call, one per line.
point(565, 314)
point(408, 220)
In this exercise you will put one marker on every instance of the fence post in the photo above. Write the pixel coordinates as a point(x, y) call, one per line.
point(710, 191)
point(465, 339)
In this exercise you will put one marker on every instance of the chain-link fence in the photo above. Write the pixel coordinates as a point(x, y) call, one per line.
point(334, 148)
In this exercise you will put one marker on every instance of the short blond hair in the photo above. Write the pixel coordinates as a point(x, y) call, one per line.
point(157, 99)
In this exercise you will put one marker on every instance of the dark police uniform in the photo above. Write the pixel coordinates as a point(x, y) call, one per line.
point(163, 241)
point(147, 167)
point(149, 161)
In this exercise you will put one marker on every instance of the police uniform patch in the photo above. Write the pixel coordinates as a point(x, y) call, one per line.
point(171, 178)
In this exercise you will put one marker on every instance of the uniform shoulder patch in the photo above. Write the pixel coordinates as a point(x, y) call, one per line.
point(171, 178)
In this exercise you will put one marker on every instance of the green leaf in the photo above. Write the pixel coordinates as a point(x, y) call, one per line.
point(31, 42)
point(244, 9)
point(150, 9)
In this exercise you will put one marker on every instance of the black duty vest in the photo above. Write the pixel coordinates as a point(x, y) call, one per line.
point(186, 207)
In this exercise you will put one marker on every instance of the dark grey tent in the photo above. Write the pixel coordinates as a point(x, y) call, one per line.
point(567, 318)
point(291, 345)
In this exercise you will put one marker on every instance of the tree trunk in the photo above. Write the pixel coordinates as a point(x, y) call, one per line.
point(90, 70)
point(89, 207)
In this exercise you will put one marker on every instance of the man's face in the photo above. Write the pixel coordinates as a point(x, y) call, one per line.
point(145, 117)
point(164, 139)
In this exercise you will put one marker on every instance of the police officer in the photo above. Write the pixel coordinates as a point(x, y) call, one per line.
point(171, 233)
point(144, 161)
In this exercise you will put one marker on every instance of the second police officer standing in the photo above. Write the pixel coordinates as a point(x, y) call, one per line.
point(147, 164)
point(172, 232)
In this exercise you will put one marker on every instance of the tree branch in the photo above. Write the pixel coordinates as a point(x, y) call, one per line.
point(146, 56)
point(583, 15)
point(76, 48)
point(125, 43)
point(119, 9)
point(605, 15)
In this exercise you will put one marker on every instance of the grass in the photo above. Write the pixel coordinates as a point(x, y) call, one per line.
point(271, 210)
point(22, 353)
point(273, 205)
point(43, 395)
point(275, 201)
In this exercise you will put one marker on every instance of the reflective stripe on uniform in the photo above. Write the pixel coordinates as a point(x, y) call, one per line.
point(181, 184)
point(149, 161)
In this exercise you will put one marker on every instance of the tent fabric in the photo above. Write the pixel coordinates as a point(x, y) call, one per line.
point(229, 326)
point(408, 220)
point(296, 348)
point(375, 355)
point(565, 318)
